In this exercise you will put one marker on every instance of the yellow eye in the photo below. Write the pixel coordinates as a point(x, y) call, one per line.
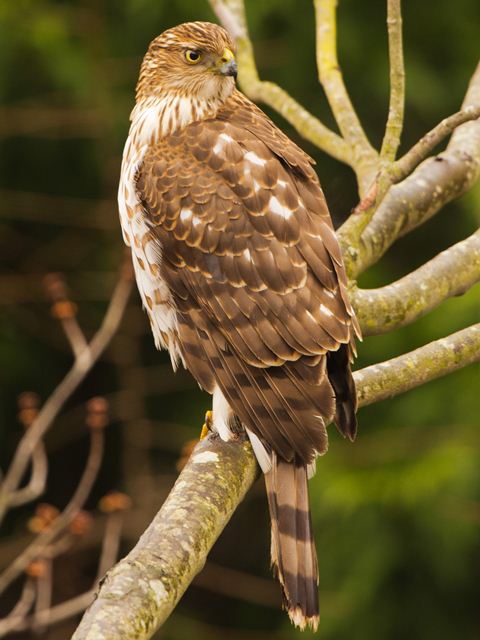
point(192, 57)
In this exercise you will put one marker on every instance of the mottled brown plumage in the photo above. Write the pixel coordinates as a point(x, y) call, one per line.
point(241, 275)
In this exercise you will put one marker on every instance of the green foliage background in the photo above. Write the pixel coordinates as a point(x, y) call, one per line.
point(396, 515)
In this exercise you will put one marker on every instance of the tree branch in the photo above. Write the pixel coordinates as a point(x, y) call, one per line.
point(434, 360)
point(365, 158)
point(231, 14)
point(407, 163)
point(393, 130)
point(82, 365)
point(450, 273)
point(434, 183)
point(38, 478)
point(141, 591)
point(39, 545)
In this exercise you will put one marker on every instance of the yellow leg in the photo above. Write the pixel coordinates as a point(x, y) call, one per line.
point(207, 427)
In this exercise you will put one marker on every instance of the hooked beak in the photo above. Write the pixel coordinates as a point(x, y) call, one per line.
point(226, 64)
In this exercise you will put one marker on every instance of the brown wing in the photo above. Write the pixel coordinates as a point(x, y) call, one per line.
point(254, 267)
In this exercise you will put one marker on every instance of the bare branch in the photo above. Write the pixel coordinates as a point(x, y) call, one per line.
point(21, 609)
point(65, 311)
point(141, 591)
point(111, 543)
point(434, 183)
point(39, 545)
point(434, 360)
point(47, 617)
point(365, 158)
point(45, 614)
point(38, 479)
point(407, 163)
point(74, 377)
point(393, 130)
point(232, 15)
point(44, 595)
point(450, 273)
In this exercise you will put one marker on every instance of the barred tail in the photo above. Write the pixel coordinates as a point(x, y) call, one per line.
point(294, 558)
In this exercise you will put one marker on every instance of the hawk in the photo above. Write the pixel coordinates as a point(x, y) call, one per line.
point(241, 276)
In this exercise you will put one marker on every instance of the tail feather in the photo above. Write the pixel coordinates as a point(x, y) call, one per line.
point(294, 558)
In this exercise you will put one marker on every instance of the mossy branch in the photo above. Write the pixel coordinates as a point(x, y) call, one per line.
point(410, 370)
point(365, 158)
point(393, 130)
point(451, 273)
point(435, 182)
point(386, 212)
point(142, 590)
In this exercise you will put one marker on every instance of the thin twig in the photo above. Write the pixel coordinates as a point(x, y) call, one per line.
point(365, 158)
point(434, 183)
point(38, 478)
point(45, 614)
point(74, 377)
point(21, 609)
point(407, 163)
point(398, 208)
point(111, 543)
point(393, 130)
point(65, 311)
point(39, 545)
point(44, 595)
point(75, 335)
point(57, 613)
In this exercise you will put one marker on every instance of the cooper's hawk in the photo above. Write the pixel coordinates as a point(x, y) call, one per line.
point(241, 275)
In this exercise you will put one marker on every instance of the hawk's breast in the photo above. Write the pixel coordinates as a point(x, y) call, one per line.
point(146, 249)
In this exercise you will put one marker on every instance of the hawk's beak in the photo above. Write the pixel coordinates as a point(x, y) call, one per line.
point(226, 64)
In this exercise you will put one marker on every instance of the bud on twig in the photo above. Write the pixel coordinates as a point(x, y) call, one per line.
point(37, 569)
point(45, 514)
point(81, 524)
point(97, 413)
point(114, 501)
point(63, 308)
point(28, 403)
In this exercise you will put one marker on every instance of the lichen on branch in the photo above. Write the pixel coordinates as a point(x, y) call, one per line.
point(450, 273)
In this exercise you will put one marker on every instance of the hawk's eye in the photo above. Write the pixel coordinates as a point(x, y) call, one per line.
point(193, 56)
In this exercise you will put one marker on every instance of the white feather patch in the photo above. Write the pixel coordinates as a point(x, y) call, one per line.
point(221, 415)
point(252, 157)
point(277, 208)
point(263, 457)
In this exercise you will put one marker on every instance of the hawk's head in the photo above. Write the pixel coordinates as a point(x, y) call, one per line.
point(195, 59)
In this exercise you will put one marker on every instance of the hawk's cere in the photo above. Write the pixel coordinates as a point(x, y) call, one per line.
point(241, 275)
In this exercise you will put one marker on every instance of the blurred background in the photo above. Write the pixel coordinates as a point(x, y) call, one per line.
point(397, 514)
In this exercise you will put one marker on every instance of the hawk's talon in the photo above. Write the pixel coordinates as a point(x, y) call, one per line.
point(208, 425)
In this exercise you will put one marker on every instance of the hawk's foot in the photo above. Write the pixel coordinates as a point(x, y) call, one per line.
point(208, 425)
